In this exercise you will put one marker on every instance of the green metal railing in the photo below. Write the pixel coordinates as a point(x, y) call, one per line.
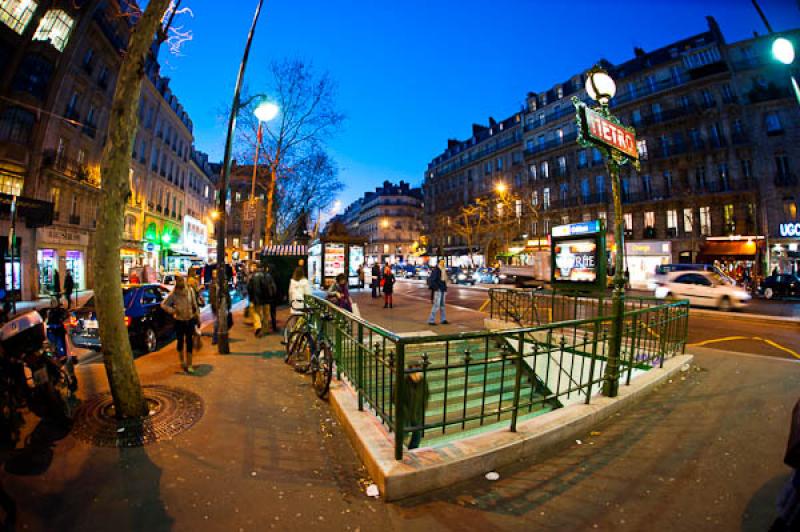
point(491, 376)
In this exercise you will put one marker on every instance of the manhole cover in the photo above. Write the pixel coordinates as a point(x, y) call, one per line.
point(172, 411)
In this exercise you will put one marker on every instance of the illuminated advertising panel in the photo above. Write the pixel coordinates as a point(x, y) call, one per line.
point(578, 256)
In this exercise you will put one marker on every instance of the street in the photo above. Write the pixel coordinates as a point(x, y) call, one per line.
point(733, 331)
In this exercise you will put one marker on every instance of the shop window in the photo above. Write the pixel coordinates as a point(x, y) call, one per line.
point(10, 184)
point(54, 27)
point(16, 14)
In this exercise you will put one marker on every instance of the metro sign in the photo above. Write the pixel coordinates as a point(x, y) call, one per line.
point(600, 130)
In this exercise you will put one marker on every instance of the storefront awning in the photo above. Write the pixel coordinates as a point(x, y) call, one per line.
point(729, 248)
point(284, 250)
point(36, 213)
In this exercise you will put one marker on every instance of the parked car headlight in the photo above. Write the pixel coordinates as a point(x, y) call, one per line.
point(461, 276)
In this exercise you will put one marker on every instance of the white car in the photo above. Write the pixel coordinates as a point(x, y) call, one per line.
point(703, 289)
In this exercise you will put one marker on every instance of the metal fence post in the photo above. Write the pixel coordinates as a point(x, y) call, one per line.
point(517, 382)
point(360, 367)
point(399, 417)
point(338, 323)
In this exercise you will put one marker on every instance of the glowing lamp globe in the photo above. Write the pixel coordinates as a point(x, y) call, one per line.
point(600, 86)
point(783, 50)
point(266, 111)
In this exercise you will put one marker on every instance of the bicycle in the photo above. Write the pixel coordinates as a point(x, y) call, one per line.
point(310, 351)
point(293, 323)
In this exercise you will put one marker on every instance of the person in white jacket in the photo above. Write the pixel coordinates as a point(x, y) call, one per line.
point(299, 288)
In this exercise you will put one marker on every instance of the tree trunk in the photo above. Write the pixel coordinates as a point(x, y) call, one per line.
point(117, 355)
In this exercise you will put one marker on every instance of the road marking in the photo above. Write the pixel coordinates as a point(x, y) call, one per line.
point(767, 341)
point(484, 305)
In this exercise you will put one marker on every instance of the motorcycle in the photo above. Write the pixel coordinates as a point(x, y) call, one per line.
point(35, 372)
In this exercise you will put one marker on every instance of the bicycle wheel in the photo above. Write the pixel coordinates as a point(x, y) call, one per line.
point(301, 349)
point(322, 370)
point(289, 328)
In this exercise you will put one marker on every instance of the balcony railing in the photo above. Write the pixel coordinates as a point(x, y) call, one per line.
point(785, 180)
point(68, 167)
point(74, 219)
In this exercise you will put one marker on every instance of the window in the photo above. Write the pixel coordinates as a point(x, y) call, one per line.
point(782, 164)
point(532, 171)
point(722, 172)
point(582, 162)
point(565, 219)
point(708, 98)
point(562, 165)
point(602, 215)
point(647, 185)
point(74, 209)
point(667, 182)
point(560, 136)
point(563, 193)
point(81, 156)
point(16, 125)
point(597, 157)
point(672, 220)
point(33, 75)
point(535, 198)
point(529, 145)
point(55, 27)
point(636, 117)
point(656, 109)
point(684, 102)
point(700, 177)
point(17, 13)
point(499, 163)
point(600, 185)
point(705, 221)
point(773, 123)
point(546, 198)
point(789, 209)
point(628, 219)
point(747, 169)
point(727, 93)
point(545, 169)
point(727, 215)
point(696, 138)
point(487, 168)
point(650, 219)
point(11, 185)
point(688, 221)
point(87, 57)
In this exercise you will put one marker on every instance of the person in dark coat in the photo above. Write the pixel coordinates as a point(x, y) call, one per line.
point(262, 292)
point(69, 287)
point(388, 287)
point(415, 401)
point(376, 280)
point(56, 284)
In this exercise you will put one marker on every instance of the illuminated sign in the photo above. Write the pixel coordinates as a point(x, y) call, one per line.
point(583, 228)
point(601, 130)
point(576, 261)
point(790, 229)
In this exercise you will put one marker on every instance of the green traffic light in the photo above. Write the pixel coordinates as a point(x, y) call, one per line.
point(783, 50)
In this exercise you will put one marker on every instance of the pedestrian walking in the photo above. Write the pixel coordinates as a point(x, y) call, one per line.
point(437, 282)
point(69, 286)
point(212, 295)
point(273, 297)
point(376, 280)
point(261, 291)
point(181, 304)
point(388, 287)
point(339, 293)
point(415, 401)
point(361, 275)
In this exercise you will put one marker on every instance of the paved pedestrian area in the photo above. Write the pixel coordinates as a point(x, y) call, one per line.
point(701, 453)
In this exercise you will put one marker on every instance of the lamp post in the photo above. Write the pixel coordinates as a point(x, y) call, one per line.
point(783, 51)
point(265, 111)
point(223, 346)
point(601, 88)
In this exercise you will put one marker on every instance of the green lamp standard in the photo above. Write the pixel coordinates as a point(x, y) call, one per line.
point(600, 129)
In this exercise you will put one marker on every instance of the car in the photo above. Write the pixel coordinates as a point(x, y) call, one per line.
point(147, 322)
point(702, 288)
point(486, 276)
point(461, 276)
point(421, 272)
point(663, 270)
point(780, 285)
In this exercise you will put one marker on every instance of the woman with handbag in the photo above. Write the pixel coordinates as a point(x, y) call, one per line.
point(181, 304)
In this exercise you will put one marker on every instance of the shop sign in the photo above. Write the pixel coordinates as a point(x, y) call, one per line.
point(790, 229)
point(65, 237)
point(648, 248)
point(149, 247)
point(583, 228)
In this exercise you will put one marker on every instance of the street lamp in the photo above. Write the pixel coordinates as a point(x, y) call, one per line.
point(600, 86)
point(500, 188)
point(783, 50)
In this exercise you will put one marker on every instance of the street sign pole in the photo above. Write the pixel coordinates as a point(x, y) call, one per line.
point(598, 128)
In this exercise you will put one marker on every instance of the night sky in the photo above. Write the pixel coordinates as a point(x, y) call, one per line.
point(413, 74)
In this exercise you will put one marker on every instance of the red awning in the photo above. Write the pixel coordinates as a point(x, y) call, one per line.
point(729, 248)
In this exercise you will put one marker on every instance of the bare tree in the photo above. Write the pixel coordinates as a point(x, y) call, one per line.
point(123, 379)
point(307, 118)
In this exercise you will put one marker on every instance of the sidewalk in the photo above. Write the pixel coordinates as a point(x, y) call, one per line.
point(701, 453)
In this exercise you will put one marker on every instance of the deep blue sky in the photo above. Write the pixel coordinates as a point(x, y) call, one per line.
point(413, 74)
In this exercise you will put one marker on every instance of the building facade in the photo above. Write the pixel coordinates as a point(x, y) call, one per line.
point(390, 219)
point(718, 143)
point(58, 67)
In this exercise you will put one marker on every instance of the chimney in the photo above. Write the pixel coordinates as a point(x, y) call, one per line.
point(638, 52)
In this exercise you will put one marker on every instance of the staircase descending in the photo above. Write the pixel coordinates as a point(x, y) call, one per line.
point(476, 393)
